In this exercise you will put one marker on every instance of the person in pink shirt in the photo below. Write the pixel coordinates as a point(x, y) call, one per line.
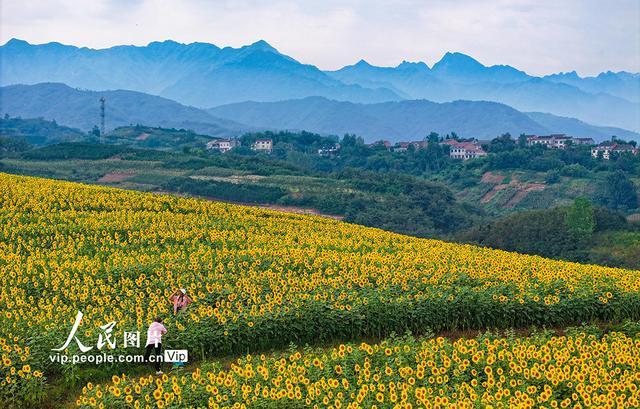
point(180, 300)
point(154, 341)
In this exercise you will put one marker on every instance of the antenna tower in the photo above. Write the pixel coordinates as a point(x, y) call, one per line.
point(102, 100)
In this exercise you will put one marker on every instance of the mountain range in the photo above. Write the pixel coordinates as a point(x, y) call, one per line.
point(205, 75)
point(601, 100)
point(394, 121)
point(81, 109)
point(410, 119)
point(198, 74)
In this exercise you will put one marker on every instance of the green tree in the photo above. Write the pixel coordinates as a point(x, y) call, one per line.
point(522, 141)
point(619, 192)
point(503, 143)
point(433, 137)
point(579, 219)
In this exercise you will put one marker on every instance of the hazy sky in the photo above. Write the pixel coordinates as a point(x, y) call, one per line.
point(538, 36)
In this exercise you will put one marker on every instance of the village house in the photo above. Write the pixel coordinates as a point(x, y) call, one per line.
point(464, 150)
point(557, 141)
point(329, 150)
point(222, 145)
point(583, 141)
point(401, 146)
point(262, 145)
point(387, 145)
point(606, 149)
point(404, 146)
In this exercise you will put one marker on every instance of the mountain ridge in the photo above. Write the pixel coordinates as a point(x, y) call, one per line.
point(198, 74)
point(206, 75)
point(80, 109)
point(407, 119)
point(391, 120)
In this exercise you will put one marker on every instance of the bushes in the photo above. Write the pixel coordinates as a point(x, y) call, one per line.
point(245, 193)
point(557, 233)
point(617, 191)
point(574, 170)
point(84, 151)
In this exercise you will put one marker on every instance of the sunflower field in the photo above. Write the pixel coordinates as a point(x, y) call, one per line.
point(571, 371)
point(260, 279)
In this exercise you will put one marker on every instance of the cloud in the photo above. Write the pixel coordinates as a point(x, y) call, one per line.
point(539, 36)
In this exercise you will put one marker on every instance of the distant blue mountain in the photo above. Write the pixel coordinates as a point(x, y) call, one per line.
point(609, 99)
point(394, 121)
point(461, 68)
point(403, 120)
point(204, 75)
point(81, 109)
point(621, 84)
point(399, 120)
point(198, 74)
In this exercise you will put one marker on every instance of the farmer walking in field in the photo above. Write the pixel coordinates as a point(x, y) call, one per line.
point(180, 300)
point(154, 341)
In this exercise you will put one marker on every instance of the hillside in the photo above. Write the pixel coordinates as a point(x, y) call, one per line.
point(156, 138)
point(400, 203)
point(81, 109)
point(396, 121)
point(261, 281)
point(393, 120)
point(422, 193)
point(38, 131)
point(199, 74)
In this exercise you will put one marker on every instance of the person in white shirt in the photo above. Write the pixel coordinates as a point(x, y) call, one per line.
point(154, 341)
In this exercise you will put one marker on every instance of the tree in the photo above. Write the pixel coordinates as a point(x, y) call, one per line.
point(433, 137)
point(619, 192)
point(522, 141)
point(503, 143)
point(553, 176)
point(580, 220)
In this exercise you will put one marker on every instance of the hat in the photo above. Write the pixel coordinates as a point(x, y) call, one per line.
point(184, 290)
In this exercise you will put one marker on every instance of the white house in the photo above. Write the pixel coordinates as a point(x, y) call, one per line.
point(606, 149)
point(262, 145)
point(222, 145)
point(464, 150)
point(557, 141)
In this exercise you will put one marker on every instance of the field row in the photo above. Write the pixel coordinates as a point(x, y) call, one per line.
point(577, 371)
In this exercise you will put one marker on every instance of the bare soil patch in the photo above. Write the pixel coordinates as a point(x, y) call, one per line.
point(522, 192)
point(115, 177)
point(492, 178)
point(487, 197)
point(298, 210)
point(634, 217)
point(235, 179)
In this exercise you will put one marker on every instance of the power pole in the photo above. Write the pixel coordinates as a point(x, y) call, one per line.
point(102, 100)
